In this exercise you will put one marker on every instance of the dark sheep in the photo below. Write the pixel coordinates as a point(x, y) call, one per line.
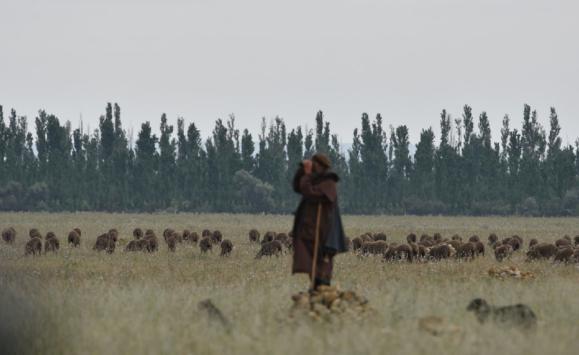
point(269, 249)
point(206, 233)
point(503, 251)
point(367, 237)
point(216, 237)
point(564, 255)
point(456, 237)
point(268, 237)
point(542, 251)
point(517, 315)
point(441, 251)
point(9, 235)
point(167, 232)
point(254, 236)
point(533, 242)
point(466, 251)
point(479, 248)
point(226, 247)
point(34, 233)
point(138, 233)
point(513, 242)
point(114, 234)
point(73, 238)
point(357, 243)
point(424, 237)
point(205, 244)
point(474, 239)
point(171, 240)
point(151, 243)
point(149, 233)
point(77, 230)
point(492, 240)
point(284, 239)
point(187, 236)
point(134, 245)
point(519, 239)
point(106, 242)
point(455, 244)
point(399, 252)
point(33, 246)
point(576, 240)
point(437, 238)
point(411, 238)
point(380, 236)
point(51, 243)
point(378, 247)
point(194, 237)
point(418, 251)
point(563, 242)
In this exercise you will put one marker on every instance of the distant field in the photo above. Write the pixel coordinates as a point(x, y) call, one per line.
point(82, 302)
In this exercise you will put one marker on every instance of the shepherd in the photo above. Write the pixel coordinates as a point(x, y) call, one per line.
point(318, 233)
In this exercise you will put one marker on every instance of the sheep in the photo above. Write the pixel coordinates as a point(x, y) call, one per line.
point(533, 242)
point(380, 236)
point(411, 238)
point(563, 242)
point(519, 239)
point(206, 233)
point(106, 242)
point(479, 248)
point(456, 237)
point(367, 237)
point(171, 240)
point(226, 247)
point(437, 237)
point(564, 255)
point(399, 252)
point(492, 240)
point(269, 249)
point(151, 243)
point(455, 243)
point(378, 247)
point(517, 315)
point(138, 233)
point(466, 251)
point(576, 240)
point(194, 237)
point(419, 252)
point(33, 246)
point(34, 233)
point(268, 237)
point(167, 232)
point(9, 235)
point(73, 238)
point(514, 242)
point(541, 251)
point(114, 234)
point(441, 251)
point(216, 237)
point(51, 243)
point(205, 245)
point(357, 244)
point(254, 236)
point(475, 238)
point(503, 251)
point(134, 245)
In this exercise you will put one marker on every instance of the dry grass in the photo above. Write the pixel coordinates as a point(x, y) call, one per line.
point(79, 301)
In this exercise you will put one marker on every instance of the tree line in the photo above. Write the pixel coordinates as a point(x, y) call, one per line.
point(528, 171)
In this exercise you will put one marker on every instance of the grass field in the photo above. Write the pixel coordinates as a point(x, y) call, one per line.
point(82, 302)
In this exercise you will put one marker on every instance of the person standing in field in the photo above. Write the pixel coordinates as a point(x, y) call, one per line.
point(318, 234)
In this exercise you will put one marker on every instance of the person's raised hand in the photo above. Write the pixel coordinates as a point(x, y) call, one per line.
point(307, 166)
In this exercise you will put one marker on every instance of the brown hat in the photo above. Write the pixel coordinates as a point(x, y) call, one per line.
point(322, 159)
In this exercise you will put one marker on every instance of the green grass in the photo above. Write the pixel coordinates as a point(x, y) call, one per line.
point(82, 302)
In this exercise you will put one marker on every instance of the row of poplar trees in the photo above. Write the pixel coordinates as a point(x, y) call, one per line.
point(529, 171)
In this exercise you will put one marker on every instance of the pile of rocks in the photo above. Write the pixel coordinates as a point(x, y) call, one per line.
point(327, 302)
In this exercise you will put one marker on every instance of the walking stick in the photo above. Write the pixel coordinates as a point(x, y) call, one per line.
point(316, 246)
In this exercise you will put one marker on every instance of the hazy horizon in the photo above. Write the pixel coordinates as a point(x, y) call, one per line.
point(203, 60)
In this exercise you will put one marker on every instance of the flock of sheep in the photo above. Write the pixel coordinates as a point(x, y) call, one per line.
point(425, 248)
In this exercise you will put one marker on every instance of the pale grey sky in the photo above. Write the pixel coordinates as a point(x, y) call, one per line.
point(202, 60)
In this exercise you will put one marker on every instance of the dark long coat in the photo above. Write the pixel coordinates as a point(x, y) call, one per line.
point(316, 191)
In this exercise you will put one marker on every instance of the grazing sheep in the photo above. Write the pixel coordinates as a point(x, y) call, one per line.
point(503, 251)
point(269, 249)
point(194, 237)
point(519, 239)
point(479, 248)
point(533, 242)
point(419, 252)
point(576, 240)
point(151, 243)
point(456, 237)
point(563, 242)
point(254, 236)
point(455, 243)
point(150, 232)
point(216, 237)
point(564, 255)
point(138, 233)
point(437, 237)
point(367, 237)
point(380, 236)
point(474, 239)
point(171, 240)
point(33, 246)
point(513, 242)
point(542, 251)
point(167, 232)
point(51, 243)
point(205, 244)
point(73, 238)
point(268, 237)
point(399, 252)
point(9, 235)
point(357, 243)
point(466, 251)
point(226, 247)
point(187, 235)
point(106, 242)
point(114, 234)
point(517, 315)
point(206, 233)
point(78, 231)
point(378, 247)
point(411, 238)
point(441, 251)
point(492, 240)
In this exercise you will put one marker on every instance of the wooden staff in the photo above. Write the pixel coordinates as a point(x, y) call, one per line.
point(316, 246)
